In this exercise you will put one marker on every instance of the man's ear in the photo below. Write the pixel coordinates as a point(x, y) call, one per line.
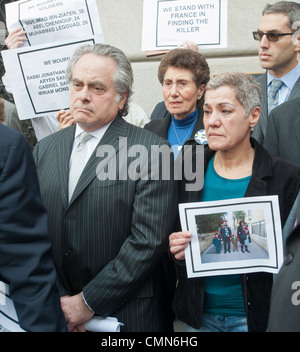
point(296, 35)
point(122, 101)
point(296, 41)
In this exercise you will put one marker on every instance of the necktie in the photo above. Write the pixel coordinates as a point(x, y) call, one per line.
point(274, 94)
point(78, 161)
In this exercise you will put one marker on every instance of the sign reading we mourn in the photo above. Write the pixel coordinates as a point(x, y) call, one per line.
point(35, 72)
point(167, 23)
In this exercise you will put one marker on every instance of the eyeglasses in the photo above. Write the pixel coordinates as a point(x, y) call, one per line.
point(271, 36)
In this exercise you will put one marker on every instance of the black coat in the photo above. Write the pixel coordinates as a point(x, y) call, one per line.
point(282, 137)
point(270, 176)
point(26, 262)
point(160, 126)
point(241, 234)
point(285, 308)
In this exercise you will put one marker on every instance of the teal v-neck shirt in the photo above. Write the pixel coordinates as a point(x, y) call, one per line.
point(223, 294)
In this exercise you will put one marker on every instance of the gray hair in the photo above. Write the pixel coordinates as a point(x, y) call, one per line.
point(289, 8)
point(123, 78)
point(248, 91)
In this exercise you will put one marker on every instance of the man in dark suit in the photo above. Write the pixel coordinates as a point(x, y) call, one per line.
point(110, 235)
point(26, 262)
point(285, 300)
point(279, 45)
point(283, 134)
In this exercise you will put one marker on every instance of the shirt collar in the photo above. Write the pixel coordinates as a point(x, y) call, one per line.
point(97, 133)
point(289, 79)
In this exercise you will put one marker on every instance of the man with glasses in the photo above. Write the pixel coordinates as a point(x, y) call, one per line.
point(279, 43)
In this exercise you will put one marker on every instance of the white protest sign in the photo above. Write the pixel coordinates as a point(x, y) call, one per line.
point(2, 293)
point(38, 81)
point(46, 21)
point(35, 72)
point(167, 23)
point(8, 315)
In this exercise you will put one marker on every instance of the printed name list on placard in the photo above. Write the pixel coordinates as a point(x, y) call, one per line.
point(47, 78)
point(167, 24)
point(39, 85)
point(35, 72)
point(45, 21)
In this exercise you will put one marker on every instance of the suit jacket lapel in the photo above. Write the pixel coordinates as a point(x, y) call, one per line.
point(117, 129)
point(295, 93)
point(297, 127)
point(64, 149)
point(264, 108)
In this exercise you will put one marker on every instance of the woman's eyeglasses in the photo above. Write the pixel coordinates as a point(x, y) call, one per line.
point(271, 36)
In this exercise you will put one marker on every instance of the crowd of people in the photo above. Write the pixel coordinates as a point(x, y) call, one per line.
point(74, 245)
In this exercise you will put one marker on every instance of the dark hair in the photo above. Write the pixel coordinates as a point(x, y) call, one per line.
point(188, 59)
point(289, 8)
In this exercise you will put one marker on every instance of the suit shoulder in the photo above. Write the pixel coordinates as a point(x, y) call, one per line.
point(261, 78)
point(153, 124)
point(9, 136)
point(145, 135)
point(287, 168)
point(55, 137)
point(287, 109)
point(160, 126)
point(12, 144)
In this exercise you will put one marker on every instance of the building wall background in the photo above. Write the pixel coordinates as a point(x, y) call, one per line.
point(122, 22)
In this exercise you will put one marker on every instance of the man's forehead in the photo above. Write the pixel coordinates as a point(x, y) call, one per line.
point(97, 60)
point(96, 66)
point(274, 22)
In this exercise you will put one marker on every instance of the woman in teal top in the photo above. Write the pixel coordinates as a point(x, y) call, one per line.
point(236, 166)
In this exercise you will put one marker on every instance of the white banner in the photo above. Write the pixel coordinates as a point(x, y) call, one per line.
point(46, 21)
point(169, 23)
point(38, 79)
point(8, 316)
point(35, 72)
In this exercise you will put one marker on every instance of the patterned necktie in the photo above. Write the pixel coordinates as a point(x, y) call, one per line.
point(274, 94)
point(78, 161)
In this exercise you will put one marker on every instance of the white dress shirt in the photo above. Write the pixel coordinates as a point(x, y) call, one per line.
point(289, 81)
point(92, 142)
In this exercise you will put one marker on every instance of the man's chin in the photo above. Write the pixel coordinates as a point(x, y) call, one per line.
point(82, 117)
point(266, 65)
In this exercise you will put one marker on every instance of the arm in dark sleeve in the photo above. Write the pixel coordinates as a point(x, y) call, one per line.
point(26, 262)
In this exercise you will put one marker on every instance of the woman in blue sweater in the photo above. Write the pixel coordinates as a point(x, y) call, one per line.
point(183, 74)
